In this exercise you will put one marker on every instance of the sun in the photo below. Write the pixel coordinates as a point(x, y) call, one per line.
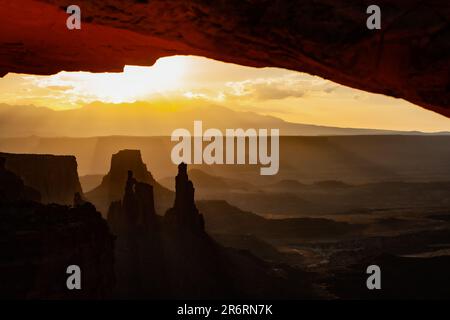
point(133, 84)
point(136, 82)
point(165, 75)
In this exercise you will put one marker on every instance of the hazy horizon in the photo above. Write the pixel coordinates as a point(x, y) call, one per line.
point(154, 118)
point(197, 82)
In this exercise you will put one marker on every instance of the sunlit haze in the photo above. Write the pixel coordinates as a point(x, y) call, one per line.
point(289, 95)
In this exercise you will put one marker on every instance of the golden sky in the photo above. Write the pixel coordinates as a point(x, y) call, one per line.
point(291, 96)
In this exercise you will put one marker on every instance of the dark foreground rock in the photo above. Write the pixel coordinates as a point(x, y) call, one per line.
point(38, 242)
point(401, 278)
point(173, 257)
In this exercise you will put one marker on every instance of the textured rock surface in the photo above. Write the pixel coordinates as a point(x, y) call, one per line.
point(408, 58)
point(55, 177)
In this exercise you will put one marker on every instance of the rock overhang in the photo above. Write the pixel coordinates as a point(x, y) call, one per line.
point(408, 58)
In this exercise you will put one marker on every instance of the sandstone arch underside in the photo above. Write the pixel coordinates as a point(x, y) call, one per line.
point(408, 58)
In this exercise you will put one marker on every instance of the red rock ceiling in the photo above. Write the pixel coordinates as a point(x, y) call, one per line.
point(408, 58)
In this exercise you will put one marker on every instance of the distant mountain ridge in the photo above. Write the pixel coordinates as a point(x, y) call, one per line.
point(150, 119)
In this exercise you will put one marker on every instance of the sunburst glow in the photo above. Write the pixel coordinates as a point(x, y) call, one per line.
point(134, 83)
point(181, 80)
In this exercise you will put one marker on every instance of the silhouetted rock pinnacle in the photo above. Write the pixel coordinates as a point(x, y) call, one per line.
point(184, 213)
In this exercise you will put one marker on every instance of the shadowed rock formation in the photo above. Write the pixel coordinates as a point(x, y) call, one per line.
point(138, 250)
point(55, 177)
point(12, 187)
point(112, 187)
point(407, 58)
point(403, 278)
point(136, 211)
point(78, 200)
point(184, 214)
point(177, 259)
point(38, 242)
